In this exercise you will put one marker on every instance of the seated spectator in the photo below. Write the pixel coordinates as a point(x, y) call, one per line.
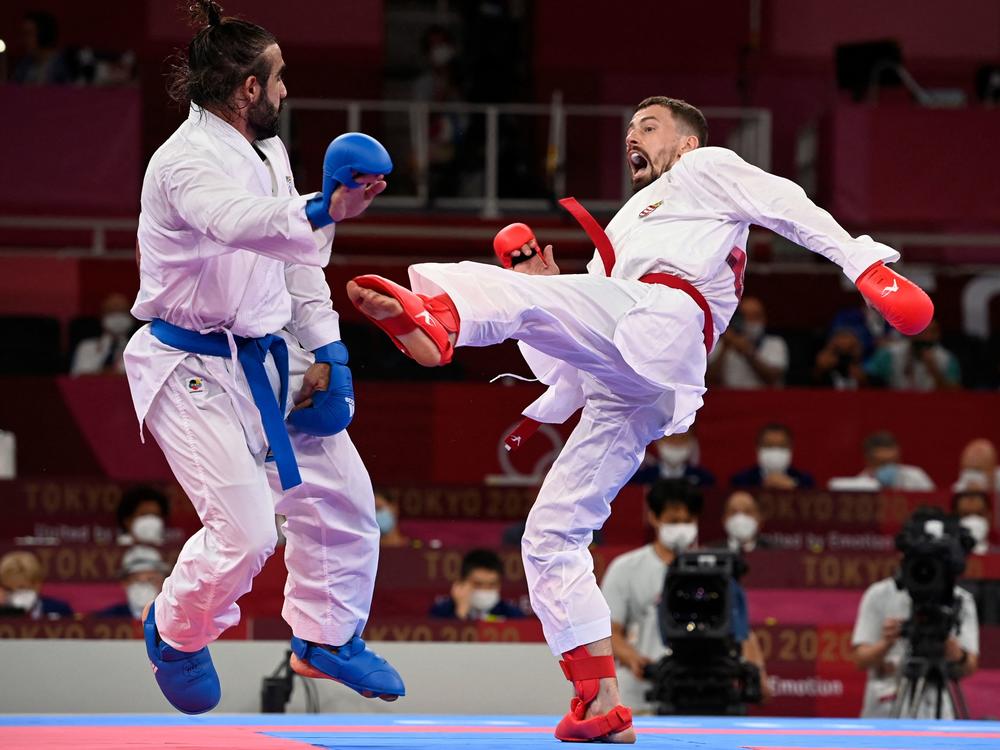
point(839, 364)
point(142, 516)
point(8, 455)
point(21, 582)
point(884, 470)
point(142, 574)
point(867, 325)
point(880, 648)
point(742, 521)
point(917, 363)
point(676, 458)
point(978, 467)
point(973, 510)
point(774, 470)
point(476, 594)
point(747, 356)
point(43, 62)
point(634, 583)
point(387, 518)
point(103, 355)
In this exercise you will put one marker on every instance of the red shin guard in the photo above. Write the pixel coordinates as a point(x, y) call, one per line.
point(435, 316)
point(585, 672)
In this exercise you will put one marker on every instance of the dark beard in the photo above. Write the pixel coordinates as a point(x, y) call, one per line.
point(263, 118)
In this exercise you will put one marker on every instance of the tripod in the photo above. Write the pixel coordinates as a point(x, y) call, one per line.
point(922, 677)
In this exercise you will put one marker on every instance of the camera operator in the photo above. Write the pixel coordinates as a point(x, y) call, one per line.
point(887, 632)
point(633, 586)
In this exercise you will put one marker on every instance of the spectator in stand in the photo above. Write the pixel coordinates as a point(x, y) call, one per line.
point(633, 585)
point(142, 574)
point(43, 62)
point(387, 518)
point(839, 365)
point(884, 467)
point(867, 325)
point(917, 363)
point(476, 594)
point(142, 516)
point(774, 470)
point(8, 455)
point(880, 648)
point(103, 355)
point(978, 467)
point(676, 458)
point(21, 581)
point(747, 356)
point(742, 521)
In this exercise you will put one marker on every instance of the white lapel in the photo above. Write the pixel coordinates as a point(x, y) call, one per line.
point(234, 140)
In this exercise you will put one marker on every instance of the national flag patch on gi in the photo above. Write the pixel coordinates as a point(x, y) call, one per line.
point(195, 385)
point(649, 209)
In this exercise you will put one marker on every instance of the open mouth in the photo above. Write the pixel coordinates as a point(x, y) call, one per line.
point(637, 162)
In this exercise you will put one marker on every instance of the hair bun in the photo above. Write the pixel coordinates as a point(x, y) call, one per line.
point(206, 12)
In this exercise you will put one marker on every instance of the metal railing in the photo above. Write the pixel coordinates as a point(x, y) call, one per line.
point(746, 130)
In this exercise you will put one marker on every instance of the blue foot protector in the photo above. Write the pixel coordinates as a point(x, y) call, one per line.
point(352, 664)
point(188, 680)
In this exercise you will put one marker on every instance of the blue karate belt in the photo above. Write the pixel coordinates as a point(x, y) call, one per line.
point(251, 353)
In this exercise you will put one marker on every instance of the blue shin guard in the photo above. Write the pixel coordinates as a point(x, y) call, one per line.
point(188, 680)
point(354, 665)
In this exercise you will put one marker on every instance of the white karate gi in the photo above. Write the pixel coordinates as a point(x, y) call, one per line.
point(631, 354)
point(226, 246)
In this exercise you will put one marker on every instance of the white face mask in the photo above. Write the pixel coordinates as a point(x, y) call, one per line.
point(742, 527)
point(117, 323)
point(979, 527)
point(774, 460)
point(674, 455)
point(148, 529)
point(139, 594)
point(24, 599)
point(678, 536)
point(973, 479)
point(483, 600)
point(753, 331)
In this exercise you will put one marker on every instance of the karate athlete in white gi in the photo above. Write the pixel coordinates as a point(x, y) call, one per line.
point(241, 328)
point(630, 352)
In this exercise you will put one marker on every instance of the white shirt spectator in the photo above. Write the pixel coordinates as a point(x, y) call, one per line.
point(881, 601)
point(632, 585)
point(907, 478)
point(96, 355)
point(897, 365)
point(737, 372)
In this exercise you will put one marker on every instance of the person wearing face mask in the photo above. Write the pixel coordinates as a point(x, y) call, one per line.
point(142, 515)
point(974, 511)
point(476, 594)
point(674, 457)
point(633, 584)
point(387, 518)
point(917, 363)
point(884, 467)
point(773, 470)
point(21, 581)
point(103, 355)
point(142, 574)
point(742, 521)
point(978, 468)
point(747, 356)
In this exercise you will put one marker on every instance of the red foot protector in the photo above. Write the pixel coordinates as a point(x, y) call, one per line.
point(513, 237)
point(435, 316)
point(904, 304)
point(585, 672)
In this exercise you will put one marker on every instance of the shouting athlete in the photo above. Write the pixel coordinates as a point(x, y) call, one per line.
point(627, 342)
point(241, 328)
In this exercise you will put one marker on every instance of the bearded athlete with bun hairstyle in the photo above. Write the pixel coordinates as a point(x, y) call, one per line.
point(627, 341)
point(241, 375)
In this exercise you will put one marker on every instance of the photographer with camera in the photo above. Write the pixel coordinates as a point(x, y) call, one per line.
point(633, 586)
point(917, 634)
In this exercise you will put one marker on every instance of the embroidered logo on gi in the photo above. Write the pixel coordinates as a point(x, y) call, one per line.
point(291, 185)
point(196, 385)
point(649, 209)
